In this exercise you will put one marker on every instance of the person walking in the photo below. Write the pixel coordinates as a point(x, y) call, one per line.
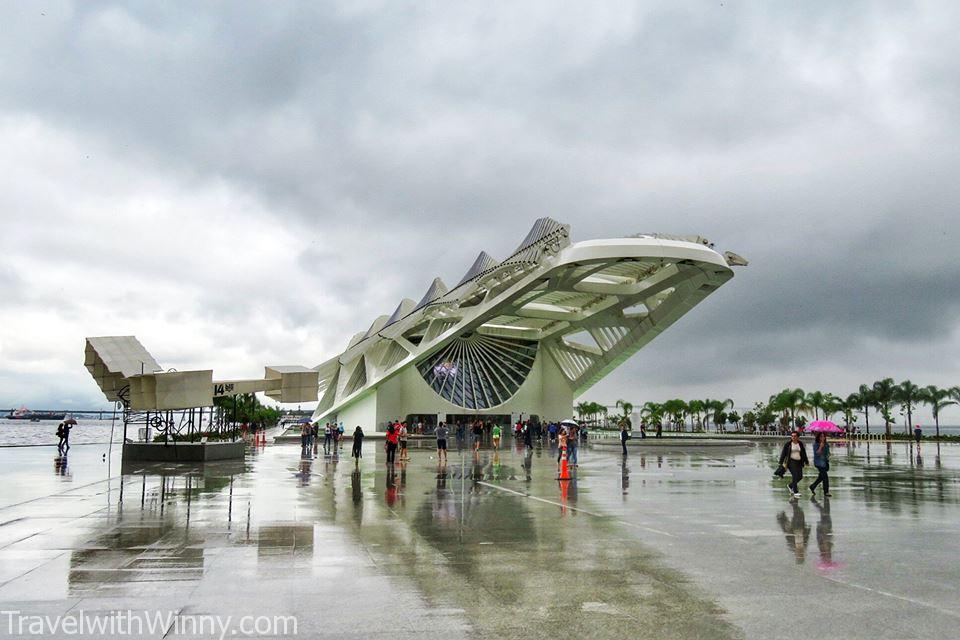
point(357, 452)
point(477, 435)
point(624, 436)
point(340, 432)
point(917, 434)
point(573, 444)
point(821, 460)
point(391, 443)
point(441, 433)
point(528, 437)
point(305, 438)
point(327, 437)
point(404, 452)
point(794, 458)
point(495, 434)
point(61, 431)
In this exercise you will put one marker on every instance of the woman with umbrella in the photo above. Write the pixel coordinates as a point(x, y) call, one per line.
point(821, 454)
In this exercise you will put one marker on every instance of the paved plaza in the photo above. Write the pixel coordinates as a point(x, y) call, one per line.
point(671, 543)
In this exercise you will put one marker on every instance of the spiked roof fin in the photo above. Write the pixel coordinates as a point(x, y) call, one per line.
point(483, 263)
point(437, 289)
point(406, 306)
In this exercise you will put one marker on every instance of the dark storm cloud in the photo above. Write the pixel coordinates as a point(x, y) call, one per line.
point(394, 142)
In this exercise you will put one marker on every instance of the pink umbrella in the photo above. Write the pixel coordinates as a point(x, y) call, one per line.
point(824, 426)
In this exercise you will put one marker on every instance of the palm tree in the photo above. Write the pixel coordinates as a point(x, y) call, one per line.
point(582, 409)
point(850, 406)
point(831, 405)
point(816, 399)
point(789, 401)
point(717, 408)
point(734, 418)
point(884, 395)
point(695, 408)
point(677, 410)
point(867, 400)
point(651, 411)
point(626, 408)
point(595, 408)
point(938, 399)
point(908, 395)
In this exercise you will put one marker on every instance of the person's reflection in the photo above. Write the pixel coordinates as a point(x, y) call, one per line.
point(936, 458)
point(476, 474)
point(356, 494)
point(441, 476)
point(355, 488)
point(528, 468)
point(824, 534)
point(390, 494)
point(444, 510)
point(403, 484)
point(797, 531)
point(659, 462)
point(624, 477)
point(303, 472)
point(643, 461)
point(60, 465)
point(496, 467)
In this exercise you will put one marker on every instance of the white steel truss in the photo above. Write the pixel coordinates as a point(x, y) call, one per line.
point(588, 305)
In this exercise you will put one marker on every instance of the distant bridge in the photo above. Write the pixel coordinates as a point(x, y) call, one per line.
point(89, 413)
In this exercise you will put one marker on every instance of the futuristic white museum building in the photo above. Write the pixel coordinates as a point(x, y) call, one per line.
point(519, 337)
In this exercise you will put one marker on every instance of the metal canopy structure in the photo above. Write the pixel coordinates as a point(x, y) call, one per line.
point(587, 306)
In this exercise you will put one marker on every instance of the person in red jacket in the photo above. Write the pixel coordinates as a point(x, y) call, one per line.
point(393, 437)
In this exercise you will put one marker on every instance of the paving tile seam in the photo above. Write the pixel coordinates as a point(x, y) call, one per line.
point(578, 509)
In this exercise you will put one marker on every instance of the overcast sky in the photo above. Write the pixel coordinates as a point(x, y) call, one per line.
point(249, 185)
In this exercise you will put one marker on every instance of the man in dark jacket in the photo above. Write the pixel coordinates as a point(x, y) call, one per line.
point(794, 456)
point(357, 451)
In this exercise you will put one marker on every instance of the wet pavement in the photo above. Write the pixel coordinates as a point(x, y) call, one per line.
point(674, 544)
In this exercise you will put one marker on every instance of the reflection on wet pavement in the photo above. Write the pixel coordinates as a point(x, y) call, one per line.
point(675, 544)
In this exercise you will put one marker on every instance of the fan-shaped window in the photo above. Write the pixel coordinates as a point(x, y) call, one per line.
point(478, 372)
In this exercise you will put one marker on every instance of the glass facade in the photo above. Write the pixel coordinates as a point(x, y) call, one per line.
point(478, 371)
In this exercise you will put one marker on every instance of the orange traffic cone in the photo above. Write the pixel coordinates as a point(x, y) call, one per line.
point(564, 469)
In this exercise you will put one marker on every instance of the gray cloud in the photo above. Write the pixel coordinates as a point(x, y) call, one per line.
point(269, 179)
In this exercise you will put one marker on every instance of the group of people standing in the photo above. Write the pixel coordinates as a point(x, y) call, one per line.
point(310, 437)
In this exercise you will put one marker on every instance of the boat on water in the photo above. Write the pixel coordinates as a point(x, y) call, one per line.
point(35, 416)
